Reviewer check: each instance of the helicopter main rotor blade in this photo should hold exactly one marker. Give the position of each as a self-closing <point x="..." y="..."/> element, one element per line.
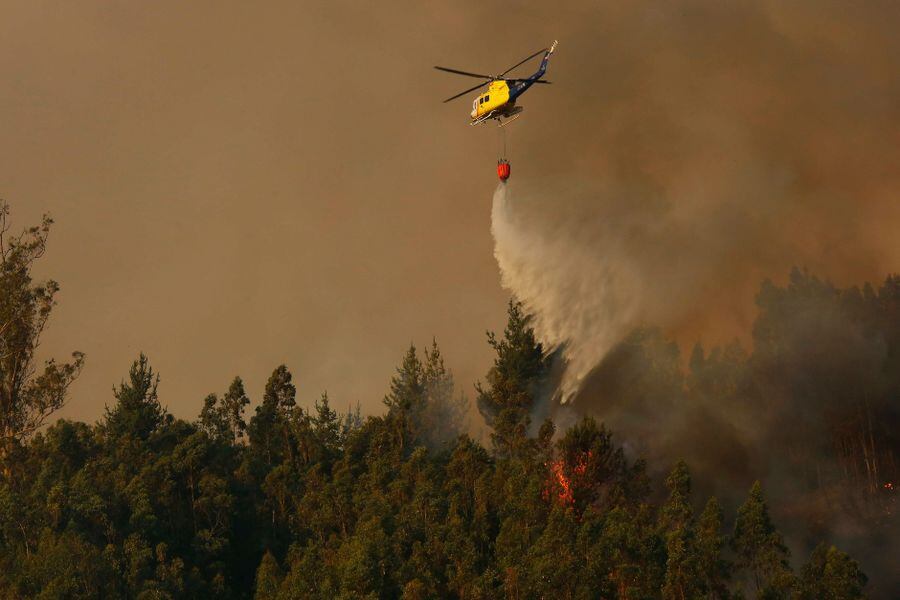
<point x="535" y="81"/>
<point x="471" y="89"/>
<point x="466" y="73"/>
<point x="523" y="61"/>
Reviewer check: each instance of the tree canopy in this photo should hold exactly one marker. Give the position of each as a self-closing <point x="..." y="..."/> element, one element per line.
<point x="293" y="499"/>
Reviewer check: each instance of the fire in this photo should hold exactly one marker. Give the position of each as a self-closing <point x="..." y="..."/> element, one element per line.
<point x="565" y="485"/>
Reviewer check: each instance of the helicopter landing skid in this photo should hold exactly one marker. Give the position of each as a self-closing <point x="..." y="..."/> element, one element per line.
<point x="484" y="118"/>
<point x="510" y="120"/>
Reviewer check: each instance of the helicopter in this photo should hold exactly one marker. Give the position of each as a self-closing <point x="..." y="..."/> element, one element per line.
<point x="499" y="101"/>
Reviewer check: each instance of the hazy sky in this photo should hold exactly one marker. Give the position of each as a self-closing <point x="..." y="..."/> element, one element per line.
<point x="239" y="185"/>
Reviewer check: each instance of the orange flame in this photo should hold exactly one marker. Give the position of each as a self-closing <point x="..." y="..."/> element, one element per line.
<point x="565" y="486"/>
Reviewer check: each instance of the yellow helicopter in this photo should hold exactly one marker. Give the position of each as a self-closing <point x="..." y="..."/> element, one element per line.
<point x="499" y="101"/>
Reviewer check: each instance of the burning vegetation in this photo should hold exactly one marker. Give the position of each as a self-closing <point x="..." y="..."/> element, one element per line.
<point x="563" y="479"/>
<point x="811" y="408"/>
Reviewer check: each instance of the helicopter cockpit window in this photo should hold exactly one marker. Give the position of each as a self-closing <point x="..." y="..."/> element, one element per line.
<point x="487" y="98"/>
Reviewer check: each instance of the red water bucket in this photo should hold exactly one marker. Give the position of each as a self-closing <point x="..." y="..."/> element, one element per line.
<point x="503" y="169"/>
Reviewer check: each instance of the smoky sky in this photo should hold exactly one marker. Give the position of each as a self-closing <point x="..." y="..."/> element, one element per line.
<point x="735" y="143"/>
<point x="239" y="186"/>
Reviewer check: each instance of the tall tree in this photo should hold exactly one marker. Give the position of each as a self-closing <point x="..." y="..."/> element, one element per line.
<point x="408" y="385"/>
<point x="513" y="383"/>
<point x="137" y="411"/>
<point x="28" y="396"/>
<point x="830" y="575"/>
<point x="224" y="419"/>
<point x="677" y="520"/>
<point x="760" y="548"/>
<point x="443" y="416"/>
<point x="714" y="571"/>
<point x="677" y="511"/>
<point x="594" y="470"/>
<point x="234" y="402"/>
<point x="327" y="425"/>
<point x="268" y="428"/>
<point x="406" y="401"/>
<point x="268" y="578"/>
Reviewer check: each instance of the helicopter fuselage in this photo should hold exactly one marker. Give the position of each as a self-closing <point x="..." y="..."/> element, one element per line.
<point x="500" y="98"/>
<point x="499" y="101"/>
<point x="497" y="96"/>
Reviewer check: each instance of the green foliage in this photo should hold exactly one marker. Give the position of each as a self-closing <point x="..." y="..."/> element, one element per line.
<point x="224" y="419"/>
<point x="268" y="578"/>
<point x="408" y="385"/>
<point x="28" y="396"/>
<point x="520" y="371"/>
<point x="713" y="569"/>
<point x="269" y="426"/>
<point x="445" y="415"/>
<point x="830" y="575"/>
<point x="309" y="509"/>
<point x="421" y="405"/>
<point x="137" y="412"/>
<point x="682" y="574"/>
<point x="309" y="503"/>
<point x="760" y="548"/>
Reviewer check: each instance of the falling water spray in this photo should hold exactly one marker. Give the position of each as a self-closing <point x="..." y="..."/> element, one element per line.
<point x="578" y="299"/>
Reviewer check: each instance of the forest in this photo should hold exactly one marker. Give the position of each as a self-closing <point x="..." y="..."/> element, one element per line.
<point x="271" y="499"/>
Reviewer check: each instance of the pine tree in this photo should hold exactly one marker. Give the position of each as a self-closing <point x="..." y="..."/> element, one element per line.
<point x="760" y="548"/>
<point x="712" y="569"/>
<point x="681" y="580"/>
<point x="268" y="428"/>
<point x="520" y="370"/>
<point x="552" y="565"/>
<point x="830" y="575"/>
<point x="137" y="412"/>
<point x="351" y="421"/>
<point x="406" y="402"/>
<point x="407" y="386"/>
<point x="268" y="578"/>
<point x="443" y="416"/>
<point x="677" y="511"/>
<point x="597" y="471"/>
<point x="327" y="424"/>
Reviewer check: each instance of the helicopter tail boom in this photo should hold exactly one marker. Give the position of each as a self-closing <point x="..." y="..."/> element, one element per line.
<point x="520" y="85"/>
<point x="544" y="62"/>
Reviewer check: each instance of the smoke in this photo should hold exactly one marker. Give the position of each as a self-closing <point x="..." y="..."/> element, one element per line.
<point x="819" y="376"/>
<point x="578" y="293"/>
<point x="709" y="147"/>
<point x="594" y="261"/>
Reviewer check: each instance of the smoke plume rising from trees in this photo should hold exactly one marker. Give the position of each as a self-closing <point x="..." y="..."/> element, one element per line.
<point x="712" y="147"/>
<point x="717" y="147"/>
<point x="809" y="406"/>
